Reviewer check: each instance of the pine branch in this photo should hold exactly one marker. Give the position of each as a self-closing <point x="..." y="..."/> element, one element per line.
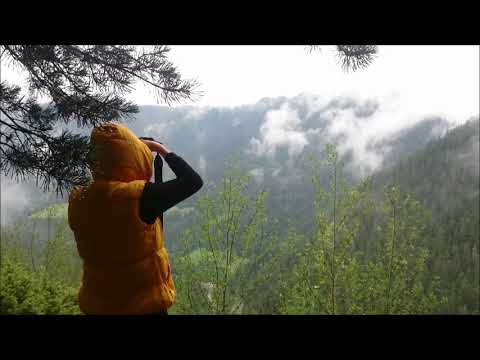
<point x="352" y="57"/>
<point x="85" y="84"/>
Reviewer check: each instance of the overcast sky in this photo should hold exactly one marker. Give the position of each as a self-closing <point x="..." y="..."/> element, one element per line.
<point x="409" y="82"/>
<point x="423" y="79"/>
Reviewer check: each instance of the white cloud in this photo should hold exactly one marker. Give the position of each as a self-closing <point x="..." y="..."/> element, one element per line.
<point x="357" y="132"/>
<point x="353" y="123"/>
<point x="281" y="127"/>
<point x="202" y="165"/>
<point x="258" y="174"/>
<point x="470" y="155"/>
<point x="196" y="113"/>
<point x="157" y="130"/>
<point x="236" y="122"/>
<point x="14" y="200"/>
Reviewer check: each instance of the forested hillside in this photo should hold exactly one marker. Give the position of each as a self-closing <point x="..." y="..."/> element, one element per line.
<point x="402" y="238"/>
<point x="444" y="177"/>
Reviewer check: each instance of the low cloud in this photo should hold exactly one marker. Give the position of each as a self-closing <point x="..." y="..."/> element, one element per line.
<point x="281" y="127"/>
<point x="308" y="122"/>
<point x="367" y="109"/>
<point x="277" y="135"/>
<point x="14" y="200"/>
<point x="258" y="174"/>
<point x="19" y="198"/>
<point x="469" y="156"/>
<point x="156" y="130"/>
<point x="202" y="165"/>
<point x="353" y="134"/>
<point x="196" y="113"/>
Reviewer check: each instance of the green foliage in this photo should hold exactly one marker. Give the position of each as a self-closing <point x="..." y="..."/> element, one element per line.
<point x="57" y="211"/>
<point x="324" y="275"/>
<point x="396" y="251"/>
<point x="23" y="291"/>
<point x="402" y="258"/>
<point x="319" y="273"/>
<point x="444" y="178"/>
<point x="218" y="271"/>
<point x="331" y="277"/>
<point x="38" y="277"/>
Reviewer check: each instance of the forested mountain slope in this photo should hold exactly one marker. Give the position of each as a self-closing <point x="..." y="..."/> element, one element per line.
<point x="444" y="177"/>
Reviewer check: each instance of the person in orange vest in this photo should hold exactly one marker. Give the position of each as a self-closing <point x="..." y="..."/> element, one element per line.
<point x="117" y="226"/>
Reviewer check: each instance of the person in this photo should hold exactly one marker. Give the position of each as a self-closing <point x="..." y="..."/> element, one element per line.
<point x="116" y="224"/>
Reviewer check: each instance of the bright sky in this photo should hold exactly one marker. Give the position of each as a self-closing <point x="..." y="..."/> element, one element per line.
<point x="409" y="82"/>
<point x="422" y="80"/>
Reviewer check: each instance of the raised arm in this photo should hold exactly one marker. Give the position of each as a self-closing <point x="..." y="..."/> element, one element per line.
<point x="157" y="198"/>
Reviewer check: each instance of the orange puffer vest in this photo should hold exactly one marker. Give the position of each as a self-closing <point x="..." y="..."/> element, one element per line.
<point x="126" y="269"/>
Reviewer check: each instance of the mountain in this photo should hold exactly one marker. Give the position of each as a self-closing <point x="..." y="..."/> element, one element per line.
<point x="444" y="177"/>
<point x="271" y="140"/>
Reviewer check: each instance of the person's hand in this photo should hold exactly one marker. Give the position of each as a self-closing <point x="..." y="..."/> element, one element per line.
<point x="156" y="147"/>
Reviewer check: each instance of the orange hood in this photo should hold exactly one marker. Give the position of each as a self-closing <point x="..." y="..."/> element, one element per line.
<point x="118" y="155"/>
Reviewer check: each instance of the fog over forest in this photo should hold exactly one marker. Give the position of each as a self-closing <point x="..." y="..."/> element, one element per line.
<point x="272" y="138"/>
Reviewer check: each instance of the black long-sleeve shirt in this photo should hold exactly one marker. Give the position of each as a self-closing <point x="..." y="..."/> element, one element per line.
<point x="159" y="197"/>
